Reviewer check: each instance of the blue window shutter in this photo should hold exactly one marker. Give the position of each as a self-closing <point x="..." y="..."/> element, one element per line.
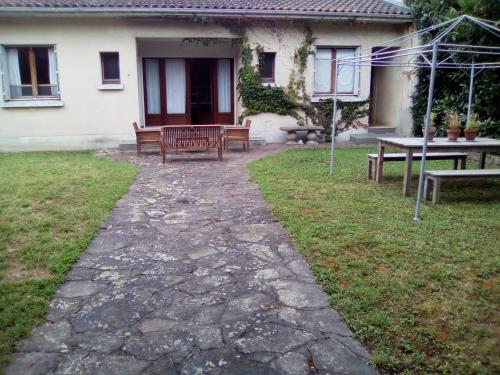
<point x="4" y="73"/>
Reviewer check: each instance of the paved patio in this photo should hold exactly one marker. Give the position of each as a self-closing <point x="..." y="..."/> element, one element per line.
<point x="191" y="275"/>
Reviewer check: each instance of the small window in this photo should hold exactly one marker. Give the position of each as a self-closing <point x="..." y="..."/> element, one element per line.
<point x="266" y="66"/>
<point x="30" y="73"/>
<point x="110" y="67"/>
<point x="326" y="75"/>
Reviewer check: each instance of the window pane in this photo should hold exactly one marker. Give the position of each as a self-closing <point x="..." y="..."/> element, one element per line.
<point x="26" y="91"/>
<point x="224" y="85"/>
<point x="175" y="72"/>
<point x="42" y="67"/>
<point x="110" y="66"/>
<point x="24" y="65"/>
<point x="323" y="76"/>
<point x="346" y="71"/>
<point x="153" y="86"/>
<point x="267" y="65"/>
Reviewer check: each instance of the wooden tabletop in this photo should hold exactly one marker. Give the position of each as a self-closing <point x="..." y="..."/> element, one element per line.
<point x="414" y="142"/>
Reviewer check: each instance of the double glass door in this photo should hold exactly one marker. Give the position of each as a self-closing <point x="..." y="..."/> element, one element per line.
<point x="188" y="91"/>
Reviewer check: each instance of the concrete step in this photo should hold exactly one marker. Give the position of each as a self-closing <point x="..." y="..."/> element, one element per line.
<point x="381" y="129"/>
<point x="370" y="138"/>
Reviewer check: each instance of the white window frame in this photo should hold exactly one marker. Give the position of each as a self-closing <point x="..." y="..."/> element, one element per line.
<point x="7" y="101"/>
<point x="357" y="73"/>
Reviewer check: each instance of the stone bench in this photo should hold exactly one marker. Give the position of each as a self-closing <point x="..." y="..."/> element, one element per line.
<point x="433" y="179"/>
<point x="455" y="156"/>
<point x="313" y="134"/>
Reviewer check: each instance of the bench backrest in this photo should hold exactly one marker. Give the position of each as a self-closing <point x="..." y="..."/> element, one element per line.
<point x="248" y="122"/>
<point x="191" y="136"/>
<point x="146" y="136"/>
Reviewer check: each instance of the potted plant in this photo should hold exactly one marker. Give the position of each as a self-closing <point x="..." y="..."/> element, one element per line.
<point x="471" y="128"/>
<point x="453" y="122"/>
<point x="432" y="127"/>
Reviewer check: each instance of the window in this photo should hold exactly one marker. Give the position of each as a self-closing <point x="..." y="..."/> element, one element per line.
<point x="325" y="74"/>
<point x="29" y="72"/>
<point x="110" y="67"/>
<point x="266" y="66"/>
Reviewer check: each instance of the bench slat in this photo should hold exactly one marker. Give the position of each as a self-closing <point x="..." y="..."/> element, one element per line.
<point x="418" y="156"/>
<point x="465" y="173"/>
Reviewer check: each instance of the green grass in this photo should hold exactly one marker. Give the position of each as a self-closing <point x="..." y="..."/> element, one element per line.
<point x="51" y="205"/>
<point x="424" y="297"/>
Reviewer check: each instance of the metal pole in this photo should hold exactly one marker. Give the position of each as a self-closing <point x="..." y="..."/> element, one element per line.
<point x="426" y="132"/>
<point x="334" y="121"/>
<point x="471" y="89"/>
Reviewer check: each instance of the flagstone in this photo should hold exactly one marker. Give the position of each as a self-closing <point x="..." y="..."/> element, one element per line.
<point x="191" y="275"/>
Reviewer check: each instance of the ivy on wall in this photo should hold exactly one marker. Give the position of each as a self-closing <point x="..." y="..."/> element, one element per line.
<point x="255" y="97"/>
<point x="293" y="100"/>
<point x="321" y="114"/>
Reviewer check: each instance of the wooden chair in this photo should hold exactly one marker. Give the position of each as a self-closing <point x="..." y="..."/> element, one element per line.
<point x="238" y="134"/>
<point x="146" y="137"/>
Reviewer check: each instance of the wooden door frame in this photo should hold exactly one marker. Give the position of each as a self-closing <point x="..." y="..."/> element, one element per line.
<point x="185" y="119"/>
<point x="224" y="118"/>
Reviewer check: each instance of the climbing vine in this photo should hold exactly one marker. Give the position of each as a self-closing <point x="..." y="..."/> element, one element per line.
<point x="321" y="114"/>
<point x="297" y="81"/>
<point x="256" y="97"/>
<point x="293" y="100"/>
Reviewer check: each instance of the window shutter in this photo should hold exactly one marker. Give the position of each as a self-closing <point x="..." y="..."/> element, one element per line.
<point x="4" y="74"/>
<point x="357" y="72"/>
<point x="57" y="73"/>
<point x="314" y="71"/>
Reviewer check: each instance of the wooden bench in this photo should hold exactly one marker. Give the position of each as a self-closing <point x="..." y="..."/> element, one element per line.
<point x="433" y="179"/>
<point x="191" y="137"/>
<point x="455" y="156"/>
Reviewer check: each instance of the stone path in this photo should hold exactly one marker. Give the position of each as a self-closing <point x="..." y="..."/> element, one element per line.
<point x="191" y="275"/>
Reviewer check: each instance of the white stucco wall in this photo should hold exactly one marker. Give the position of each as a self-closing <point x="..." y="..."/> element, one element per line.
<point x="92" y="118"/>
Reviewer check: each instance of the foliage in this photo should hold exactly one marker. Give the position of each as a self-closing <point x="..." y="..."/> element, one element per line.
<point x="423" y="297"/>
<point x="205" y="42"/>
<point x="433" y="118"/>
<point x="473" y="122"/>
<point x="351" y="113"/>
<point x="297" y="81"/>
<point x="52" y="205"/>
<point x="453" y="120"/>
<point x="293" y="101"/>
<point x="255" y="97"/>
<point x="452" y="86"/>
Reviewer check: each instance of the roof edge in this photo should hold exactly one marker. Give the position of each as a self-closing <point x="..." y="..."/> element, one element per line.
<point x="313" y="15"/>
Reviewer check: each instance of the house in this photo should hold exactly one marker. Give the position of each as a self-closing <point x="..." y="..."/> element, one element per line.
<point x="77" y="73"/>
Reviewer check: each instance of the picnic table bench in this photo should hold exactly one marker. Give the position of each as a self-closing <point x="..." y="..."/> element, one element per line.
<point x="412" y="145"/>
<point x="433" y="179"/>
<point x="399" y="156"/>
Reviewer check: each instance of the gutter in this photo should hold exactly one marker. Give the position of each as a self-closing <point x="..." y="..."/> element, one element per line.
<point x="162" y="12"/>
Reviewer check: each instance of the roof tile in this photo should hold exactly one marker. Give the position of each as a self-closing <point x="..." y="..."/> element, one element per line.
<point x="329" y="7"/>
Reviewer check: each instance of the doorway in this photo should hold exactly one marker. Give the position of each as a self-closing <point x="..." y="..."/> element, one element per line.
<point x="201" y="88"/>
<point x="383" y="92"/>
<point x="193" y="91"/>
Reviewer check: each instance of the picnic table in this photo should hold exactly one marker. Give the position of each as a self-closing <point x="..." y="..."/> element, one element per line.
<point x="413" y="145"/>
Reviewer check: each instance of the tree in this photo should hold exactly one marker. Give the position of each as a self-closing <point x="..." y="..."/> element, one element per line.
<point x="452" y="86"/>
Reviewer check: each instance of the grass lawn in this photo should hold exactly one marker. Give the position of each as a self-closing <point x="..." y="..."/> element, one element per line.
<point x="424" y="297"/>
<point x="51" y="205"/>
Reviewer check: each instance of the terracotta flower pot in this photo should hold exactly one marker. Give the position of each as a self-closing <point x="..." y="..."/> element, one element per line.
<point x="453" y="134"/>
<point x="470" y="134"/>
<point x="430" y="135"/>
